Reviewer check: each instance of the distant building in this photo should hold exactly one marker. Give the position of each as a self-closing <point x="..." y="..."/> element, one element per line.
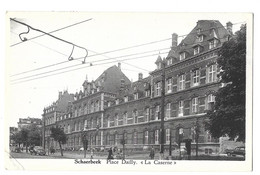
<point x="52" y="113"/>
<point x="25" y="122"/>
<point x="111" y="108"/>
<point x="12" y="131"/>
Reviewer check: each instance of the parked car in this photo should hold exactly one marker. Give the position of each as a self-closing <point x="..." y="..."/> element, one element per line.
<point x="237" y="151"/>
<point x="37" y="150"/>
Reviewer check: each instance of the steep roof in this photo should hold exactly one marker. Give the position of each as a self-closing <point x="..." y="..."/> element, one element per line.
<point x="110" y="79"/>
<point x="205" y="27"/>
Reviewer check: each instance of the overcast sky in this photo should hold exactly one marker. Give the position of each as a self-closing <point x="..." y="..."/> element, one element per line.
<point x="105" y="32"/>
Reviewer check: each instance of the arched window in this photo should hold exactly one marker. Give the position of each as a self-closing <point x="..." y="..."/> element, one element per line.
<point x="135" y="139"/>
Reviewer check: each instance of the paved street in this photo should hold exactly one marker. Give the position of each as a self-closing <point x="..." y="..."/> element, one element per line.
<point x="103" y="155"/>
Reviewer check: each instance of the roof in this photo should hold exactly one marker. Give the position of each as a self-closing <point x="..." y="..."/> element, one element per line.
<point x="205" y="27"/>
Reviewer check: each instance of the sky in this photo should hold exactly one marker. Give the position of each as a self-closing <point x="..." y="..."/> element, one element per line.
<point x="28" y="93"/>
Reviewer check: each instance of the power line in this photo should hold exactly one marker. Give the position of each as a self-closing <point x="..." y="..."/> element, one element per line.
<point x="107" y="59"/>
<point x="53" y="31"/>
<point x="38" y="30"/>
<point x="115" y="51"/>
<point x="83" y="68"/>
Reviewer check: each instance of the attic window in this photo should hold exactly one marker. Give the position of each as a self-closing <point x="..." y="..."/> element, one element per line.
<point x="200" y="38"/>
<point x="108" y="104"/>
<point x="135" y="96"/>
<point x="198" y="30"/>
<point x="126" y="99"/>
<point x="182" y="55"/>
<point x="135" y="88"/>
<point x="213" y="43"/>
<point x="169" y="61"/>
<point x="117" y="101"/>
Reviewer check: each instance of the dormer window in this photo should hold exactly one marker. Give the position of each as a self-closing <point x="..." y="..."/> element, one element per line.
<point x="98" y="89"/>
<point x="169" y="61"/>
<point x="200" y="38"/>
<point x="126" y="99"/>
<point x="134" y="88"/>
<point x="135" y="96"/>
<point x="108" y="104"/>
<point x="198" y="30"/>
<point x="147" y="93"/>
<point x="197" y="49"/>
<point x="159" y="65"/>
<point x="117" y="101"/>
<point x="213" y="43"/>
<point x="182" y="55"/>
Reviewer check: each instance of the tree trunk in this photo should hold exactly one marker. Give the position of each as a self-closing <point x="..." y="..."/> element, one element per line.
<point x="61" y="151"/>
<point x="197" y="148"/>
<point x="26" y="144"/>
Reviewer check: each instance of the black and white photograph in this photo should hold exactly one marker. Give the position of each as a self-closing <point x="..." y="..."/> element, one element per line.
<point x="121" y="90"/>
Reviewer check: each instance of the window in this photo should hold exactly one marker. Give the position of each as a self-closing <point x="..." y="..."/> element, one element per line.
<point x="108" y="121"/>
<point x="135" y="137"/>
<point x="196" y="78"/>
<point x="157" y="112"/>
<point x="181" y="82"/>
<point x="147" y="114"/>
<point x="146" y="137"/>
<point x="117" y="101"/>
<point x="135" y="96"/>
<point x="156" y="136"/>
<point x="180" y="112"/>
<point x="92" y="107"/>
<point x="116" y="120"/>
<point x="195" y="105"/>
<point x="135" y="116"/>
<point x="116" y="139"/>
<point x="158" y="89"/>
<point x="208" y="137"/>
<point x="198" y="30"/>
<point x="182" y="55"/>
<point x="213" y="43"/>
<point x="85" y="124"/>
<point x="108" y="104"/>
<point x="159" y="65"/>
<point x="212" y="73"/>
<point x="193" y="134"/>
<point x="196" y="50"/>
<point x="169" y="85"/>
<point x="168" y="110"/>
<point x="210" y="101"/>
<point x="147" y="93"/>
<point x="85" y="109"/>
<point x="169" y="61"/>
<point x="168" y="136"/>
<point x="200" y="38"/>
<point x="125" y="118"/>
<point x="76" y="112"/>
<point x="97" y="106"/>
<point x="126" y="99"/>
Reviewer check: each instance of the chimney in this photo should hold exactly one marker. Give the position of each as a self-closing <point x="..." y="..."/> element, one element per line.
<point x="60" y="94"/>
<point x="174" y="40"/>
<point x="119" y="66"/>
<point x="86" y="77"/>
<point x="140" y="76"/>
<point x="229" y="27"/>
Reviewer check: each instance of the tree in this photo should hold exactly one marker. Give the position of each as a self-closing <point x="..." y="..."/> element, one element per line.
<point x="58" y="135"/>
<point x="34" y="136"/>
<point x="227" y="117"/>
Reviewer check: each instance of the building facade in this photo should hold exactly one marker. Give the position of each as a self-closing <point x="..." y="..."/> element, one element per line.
<point x="26" y="122"/>
<point x="112" y="110"/>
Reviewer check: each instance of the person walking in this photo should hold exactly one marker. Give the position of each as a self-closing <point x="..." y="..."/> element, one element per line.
<point x="152" y="152"/>
<point x="110" y="154"/>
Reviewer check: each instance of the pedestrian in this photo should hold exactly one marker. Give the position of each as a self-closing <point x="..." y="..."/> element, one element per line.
<point x="110" y="154"/>
<point x="152" y="153"/>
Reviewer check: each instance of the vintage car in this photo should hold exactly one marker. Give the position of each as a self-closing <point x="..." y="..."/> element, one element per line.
<point x="237" y="151"/>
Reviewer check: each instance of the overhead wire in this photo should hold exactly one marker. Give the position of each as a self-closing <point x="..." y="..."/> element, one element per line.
<point x="84" y="67"/>
<point x="53" y="31"/>
<point x="57" y="38"/>
<point x="112" y="51"/>
<point x="115" y="58"/>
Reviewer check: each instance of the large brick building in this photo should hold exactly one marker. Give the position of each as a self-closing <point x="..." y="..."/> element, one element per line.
<point x="111" y="108"/>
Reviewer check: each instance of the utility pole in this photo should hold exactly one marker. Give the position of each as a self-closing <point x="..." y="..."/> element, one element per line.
<point x="162" y="108"/>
